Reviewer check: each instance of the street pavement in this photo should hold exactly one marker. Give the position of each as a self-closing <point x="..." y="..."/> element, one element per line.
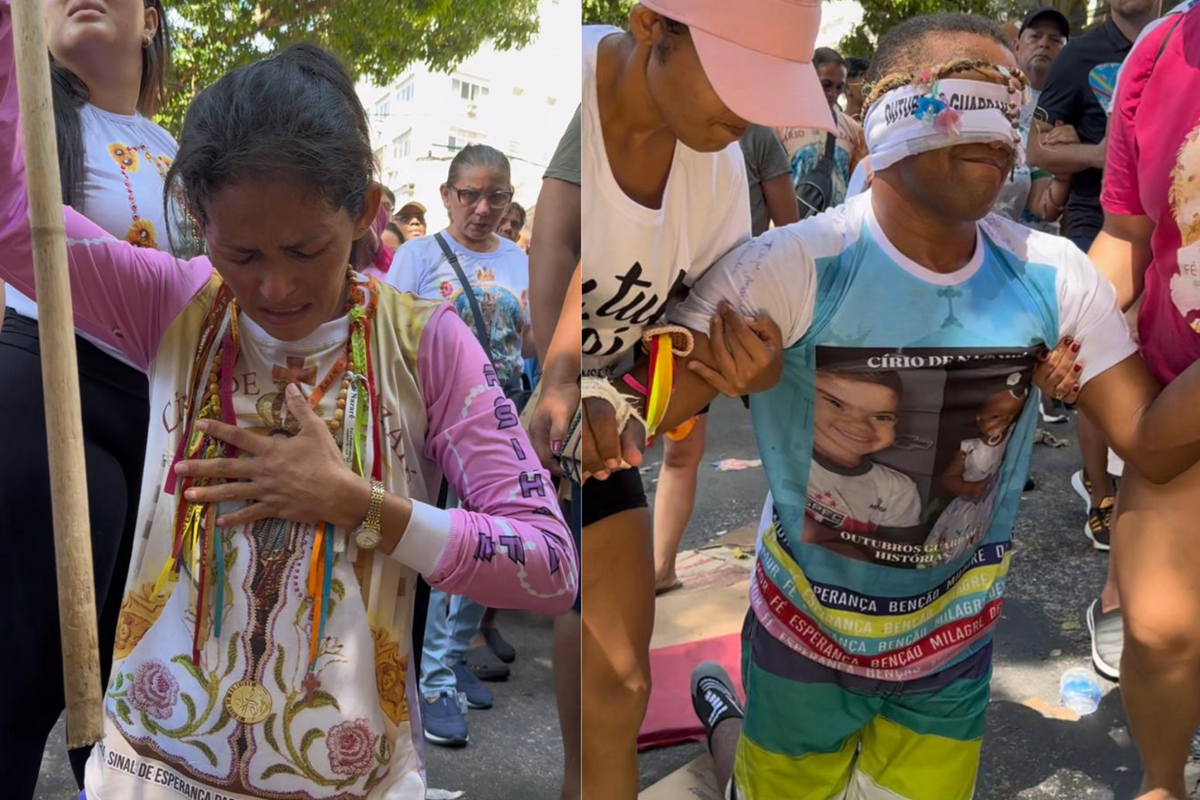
<point x="515" y="751"/>
<point x="1055" y="574"/>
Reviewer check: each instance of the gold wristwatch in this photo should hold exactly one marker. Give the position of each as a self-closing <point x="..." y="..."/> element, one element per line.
<point x="368" y="535"/>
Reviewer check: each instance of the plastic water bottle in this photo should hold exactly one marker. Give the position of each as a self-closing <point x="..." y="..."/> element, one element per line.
<point x="1080" y="690"/>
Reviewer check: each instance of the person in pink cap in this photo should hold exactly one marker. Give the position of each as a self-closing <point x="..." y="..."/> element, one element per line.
<point x="897" y="439"/>
<point x="664" y="104"/>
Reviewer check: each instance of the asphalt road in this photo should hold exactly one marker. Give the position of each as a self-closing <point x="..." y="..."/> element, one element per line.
<point x="1054" y="577"/>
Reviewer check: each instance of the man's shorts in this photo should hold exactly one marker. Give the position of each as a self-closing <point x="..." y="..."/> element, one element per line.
<point x="815" y="733"/>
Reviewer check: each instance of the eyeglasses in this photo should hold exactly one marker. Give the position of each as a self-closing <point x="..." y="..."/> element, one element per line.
<point x="470" y="197"/>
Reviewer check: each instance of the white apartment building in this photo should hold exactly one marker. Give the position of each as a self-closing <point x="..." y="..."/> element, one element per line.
<point x="518" y="102"/>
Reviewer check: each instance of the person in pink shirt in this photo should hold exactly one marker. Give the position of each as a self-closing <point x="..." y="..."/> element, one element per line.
<point x="1150" y="247"/>
<point x="303" y="418"/>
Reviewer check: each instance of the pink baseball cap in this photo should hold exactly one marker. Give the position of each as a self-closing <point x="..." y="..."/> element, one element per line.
<point x="757" y="54"/>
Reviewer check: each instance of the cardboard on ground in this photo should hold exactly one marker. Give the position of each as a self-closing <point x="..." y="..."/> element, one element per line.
<point x="695" y="780"/>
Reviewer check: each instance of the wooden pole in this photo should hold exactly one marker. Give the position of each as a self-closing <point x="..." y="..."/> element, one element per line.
<point x="60" y="381"/>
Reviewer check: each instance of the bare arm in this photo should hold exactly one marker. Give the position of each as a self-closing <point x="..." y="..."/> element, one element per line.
<point x="954" y="483"/>
<point x="559" y="387"/>
<point x="553" y="254"/>
<point x="528" y="344"/>
<point x="1161" y="439"/>
<point x="1048" y="197"/>
<point x="773" y="280"/>
<point x="781" y="200"/>
<point x="736" y="357"/>
<point x="1065" y="159"/>
<point x="1122" y="254"/>
<point x="1172" y="423"/>
<point x="564" y="358"/>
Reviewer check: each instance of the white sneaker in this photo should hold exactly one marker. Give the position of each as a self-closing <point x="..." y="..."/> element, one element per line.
<point x="1108" y="639"/>
<point x="1053" y="411"/>
<point x="1083" y="488"/>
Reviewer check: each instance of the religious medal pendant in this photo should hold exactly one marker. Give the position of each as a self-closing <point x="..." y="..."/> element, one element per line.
<point x="248" y="702"/>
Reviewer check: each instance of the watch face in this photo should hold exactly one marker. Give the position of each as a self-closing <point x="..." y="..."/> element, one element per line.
<point x="366" y="539"/>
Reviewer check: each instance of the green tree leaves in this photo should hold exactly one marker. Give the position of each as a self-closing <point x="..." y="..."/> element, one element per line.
<point x="881" y="15"/>
<point x="606" y="12"/>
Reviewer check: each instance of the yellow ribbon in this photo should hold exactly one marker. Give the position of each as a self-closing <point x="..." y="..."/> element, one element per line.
<point x="190" y="523"/>
<point x="662" y="374"/>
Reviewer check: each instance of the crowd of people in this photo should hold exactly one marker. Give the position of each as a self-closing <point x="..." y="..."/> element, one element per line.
<point x="327" y="447"/>
<point x="976" y="231"/>
<point x="309" y="480"/>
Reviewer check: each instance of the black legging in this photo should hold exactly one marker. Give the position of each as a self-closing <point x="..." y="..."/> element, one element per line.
<point x="115" y="404"/>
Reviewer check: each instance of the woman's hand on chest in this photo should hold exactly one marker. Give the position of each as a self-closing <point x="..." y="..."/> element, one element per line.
<point x="301" y="479"/>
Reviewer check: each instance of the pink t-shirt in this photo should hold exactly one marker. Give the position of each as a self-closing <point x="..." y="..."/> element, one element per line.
<point x="1153" y="170"/>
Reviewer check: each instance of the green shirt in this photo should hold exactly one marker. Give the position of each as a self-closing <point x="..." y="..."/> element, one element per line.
<point x="566" y="163"/>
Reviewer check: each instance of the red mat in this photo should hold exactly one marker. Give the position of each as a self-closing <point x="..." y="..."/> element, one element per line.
<point x="670" y="718"/>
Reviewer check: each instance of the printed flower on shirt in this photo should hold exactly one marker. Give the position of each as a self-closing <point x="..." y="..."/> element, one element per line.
<point x="1184" y="196"/>
<point x="391" y="672"/>
<point x="446" y="288"/>
<point x="161" y="163"/>
<point x="154" y="689"/>
<point x="141" y="234"/>
<point x="1185" y="188"/>
<point x="139" y="610"/>
<point x="124" y="156"/>
<point x="351" y="747"/>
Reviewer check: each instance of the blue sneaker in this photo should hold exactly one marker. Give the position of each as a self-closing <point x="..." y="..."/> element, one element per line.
<point x="477" y="694"/>
<point x="444" y="723"/>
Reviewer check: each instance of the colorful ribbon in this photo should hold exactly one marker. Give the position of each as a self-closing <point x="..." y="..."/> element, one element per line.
<point x="659" y="381"/>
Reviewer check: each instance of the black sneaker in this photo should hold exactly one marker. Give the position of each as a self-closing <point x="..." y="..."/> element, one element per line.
<point x="713" y="697"/>
<point x="1108" y="638"/>
<point x="1099" y="523"/>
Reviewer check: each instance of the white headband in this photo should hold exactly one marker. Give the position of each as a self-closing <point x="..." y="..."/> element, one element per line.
<point x="917" y="118"/>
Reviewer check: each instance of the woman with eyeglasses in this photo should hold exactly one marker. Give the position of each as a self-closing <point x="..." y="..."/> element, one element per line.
<point x="109" y="60"/>
<point x="468" y="253"/>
